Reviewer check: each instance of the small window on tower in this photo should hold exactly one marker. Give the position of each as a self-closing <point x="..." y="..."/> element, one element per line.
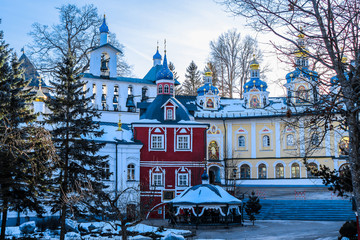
<point x="160" y="89"/>
<point x="166" y="89"/>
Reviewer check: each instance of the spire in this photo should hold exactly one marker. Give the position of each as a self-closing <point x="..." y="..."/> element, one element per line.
<point x="104" y="31"/>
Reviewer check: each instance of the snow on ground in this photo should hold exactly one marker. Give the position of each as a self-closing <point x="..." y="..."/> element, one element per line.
<point x="264" y="230"/>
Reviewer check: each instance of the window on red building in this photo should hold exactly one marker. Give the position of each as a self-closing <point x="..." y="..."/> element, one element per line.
<point x="183" y="180"/>
<point x="157" y="141"/>
<point x="183" y="142"/>
<point x="157" y="179"/>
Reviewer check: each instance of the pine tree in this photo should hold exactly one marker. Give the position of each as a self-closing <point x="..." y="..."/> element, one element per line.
<point x="252" y="207"/>
<point x="74" y="130"/>
<point x="192" y="80"/>
<point x="178" y="88"/>
<point x="26" y="150"/>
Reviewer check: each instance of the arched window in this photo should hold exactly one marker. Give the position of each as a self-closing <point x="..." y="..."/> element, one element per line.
<point x="245" y="171"/>
<point x="131" y="172"/>
<point x="295" y="170"/>
<point x="315" y="139"/>
<point x="171" y="89"/>
<point x="130" y="90"/>
<point x="344" y="146"/>
<point x="279" y="170"/>
<point x="266" y="141"/>
<point x="160" y="89"/>
<point x="166" y="88"/>
<point x="262" y="171"/>
<point x="344" y="169"/>
<point x="241" y="141"/>
<point x="290" y="140"/>
<point x="310" y="167"/>
<point x="213" y="150"/>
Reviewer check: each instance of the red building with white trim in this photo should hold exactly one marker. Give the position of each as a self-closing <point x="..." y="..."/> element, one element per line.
<point x="173" y="152"/>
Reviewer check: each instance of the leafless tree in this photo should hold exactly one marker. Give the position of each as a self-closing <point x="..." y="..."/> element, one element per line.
<point x="231" y="56"/>
<point x="77" y="32"/>
<point x="332" y="31"/>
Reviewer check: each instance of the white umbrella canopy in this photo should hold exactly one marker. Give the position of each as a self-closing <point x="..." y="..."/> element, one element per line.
<point x="205" y="194"/>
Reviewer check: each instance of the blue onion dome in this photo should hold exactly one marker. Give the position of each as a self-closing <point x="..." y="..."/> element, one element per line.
<point x="305" y="72"/>
<point x="165" y="72"/>
<point x="204" y="176"/>
<point x="157" y="55"/>
<point x="255" y="84"/>
<point x="206" y="89"/>
<point x="104" y="28"/>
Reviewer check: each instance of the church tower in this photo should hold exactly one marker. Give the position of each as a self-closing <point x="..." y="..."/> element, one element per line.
<point x="103" y="59"/>
<point x="255" y="94"/>
<point x="208" y="95"/>
<point x="301" y="83"/>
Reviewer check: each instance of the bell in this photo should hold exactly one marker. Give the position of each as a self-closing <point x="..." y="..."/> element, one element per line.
<point x="115" y="99"/>
<point x="130" y="101"/>
<point x="116" y="90"/>
<point x="103" y="98"/>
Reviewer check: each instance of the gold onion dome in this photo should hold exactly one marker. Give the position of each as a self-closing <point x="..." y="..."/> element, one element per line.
<point x="254" y="65"/>
<point x="208" y="74"/>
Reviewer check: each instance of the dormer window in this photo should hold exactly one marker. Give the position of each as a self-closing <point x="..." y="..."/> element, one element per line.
<point x="166" y="89"/>
<point x="169" y="114"/>
<point x="160" y="89"/>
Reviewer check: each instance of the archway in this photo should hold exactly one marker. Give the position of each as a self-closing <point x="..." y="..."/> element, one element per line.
<point x="214" y="175"/>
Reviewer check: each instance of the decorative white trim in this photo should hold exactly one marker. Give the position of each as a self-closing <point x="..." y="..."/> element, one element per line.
<point x="253" y="139"/>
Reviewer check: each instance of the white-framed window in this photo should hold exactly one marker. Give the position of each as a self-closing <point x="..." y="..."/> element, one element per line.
<point x="183" y="180"/>
<point x="160" y="89"/>
<point x="171" y="89"/>
<point x="106" y="171"/>
<point x="157" y="141"/>
<point x="290" y="140"/>
<point x="169" y="114"/>
<point x="241" y="141"/>
<point x="166" y="88"/>
<point x="157" y="179"/>
<point x="183" y="142"/>
<point x="131" y="172"/>
<point x="266" y="141"/>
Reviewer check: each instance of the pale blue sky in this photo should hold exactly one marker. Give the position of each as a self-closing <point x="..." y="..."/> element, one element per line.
<point x="187" y="25"/>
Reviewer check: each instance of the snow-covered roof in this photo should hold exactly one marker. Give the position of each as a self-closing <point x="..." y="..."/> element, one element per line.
<point x="205" y="194"/>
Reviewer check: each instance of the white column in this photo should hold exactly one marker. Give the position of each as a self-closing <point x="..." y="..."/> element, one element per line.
<point x="277" y="140"/>
<point x="229" y="140"/>
<point x="98" y="95"/>
<point x="110" y="96"/>
<point x="302" y="137"/>
<point x="253" y="139"/>
<point x="327" y="144"/>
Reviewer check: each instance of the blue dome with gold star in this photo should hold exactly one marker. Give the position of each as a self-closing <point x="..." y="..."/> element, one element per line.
<point x="304" y="71"/>
<point x="165" y="72"/>
<point x="206" y="89"/>
<point x="104" y="28"/>
<point x="255" y="83"/>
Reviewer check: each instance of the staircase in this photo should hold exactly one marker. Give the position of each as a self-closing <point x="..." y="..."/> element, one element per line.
<point x="312" y="210"/>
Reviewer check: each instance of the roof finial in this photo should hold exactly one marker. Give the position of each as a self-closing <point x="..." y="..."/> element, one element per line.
<point x="165" y="45"/>
<point x="157" y="45"/>
<point x="39" y="77"/>
<point x="23" y="50"/>
<point x="119" y="123"/>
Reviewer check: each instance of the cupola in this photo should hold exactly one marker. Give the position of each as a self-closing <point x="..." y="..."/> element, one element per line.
<point x="165" y="79"/>
<point x="255" y="90"/>
<point x="157" y="57"/>
<point x="208" y="95"/>
<point x="104" y="31"/>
